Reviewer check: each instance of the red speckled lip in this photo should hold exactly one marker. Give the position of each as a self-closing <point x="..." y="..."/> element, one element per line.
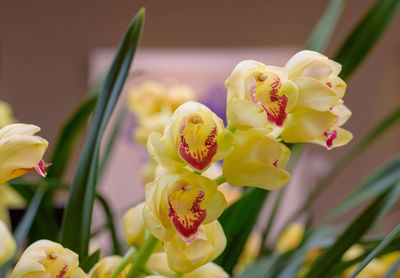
<point x="62" y="272"/>
<point x="188" y="224"/>
<point x="329" y="137"/>
<point x="199" y="159"/>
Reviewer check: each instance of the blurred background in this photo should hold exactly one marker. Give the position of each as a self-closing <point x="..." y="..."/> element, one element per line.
<point x="51" y="52"/>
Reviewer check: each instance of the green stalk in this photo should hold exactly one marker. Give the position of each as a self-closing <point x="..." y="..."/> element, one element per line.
<point x="143" y="255"/>
<point x="220" y="179"/>
<point x="127" y="259"/>
<point x="178" y="275"/>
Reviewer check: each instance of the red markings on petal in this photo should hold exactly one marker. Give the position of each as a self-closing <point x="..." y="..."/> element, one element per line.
<point x="276" y="163"/>
<point x="199" y="157"/>
<point x="329" y="84"/>
<point x="62" y="272"/>
<point x="188" y="223"/>
<point x="329" y="137"/>
<point x="41" y="168"/>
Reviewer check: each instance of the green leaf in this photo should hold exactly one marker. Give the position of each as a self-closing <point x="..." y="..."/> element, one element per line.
<point x="75" y="233"/>
<point x="354" y="232"/>
<point x="110" y="223"/>
<point x="322" y="32"/>
<point x="90" y="261"/>
<point x="238" y="221"/>
<point x="373" y="186"/>
<point x="364" y="36"/>
<point x="385" y="242"/>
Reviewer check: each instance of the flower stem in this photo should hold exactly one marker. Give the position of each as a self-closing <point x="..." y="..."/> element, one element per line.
<point x="143" y="256"/>
<point x="125" y="261"/>
<point x="220" y="179"/>
<point x="231" y="128"/>
<point x="177" y="275"/>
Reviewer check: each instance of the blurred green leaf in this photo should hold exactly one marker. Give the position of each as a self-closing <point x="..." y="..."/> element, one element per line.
<point x="75" y="233"/>
<point x="385" y="242"/>
<point x="90" y="261"/>
<point x="322" y="32"/>
<point x="238" y="221"/>
<point x="364" y="36"/>
<point x="354" y="232"/>
<point x="373" y="186"/>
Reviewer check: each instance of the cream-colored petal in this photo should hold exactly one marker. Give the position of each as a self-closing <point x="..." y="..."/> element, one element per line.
<point x="292" y="92"/>
<point x="153" y="224"/>
<point x="245" y="114"/>
<point x="215" y="207"/>
<point x="158" y="151"/>
<point x="225" y="146"/>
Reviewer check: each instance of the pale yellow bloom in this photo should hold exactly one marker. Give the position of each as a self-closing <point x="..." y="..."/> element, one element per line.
<point x="290" y="238"/>
<point x="146" y="99"/>
<point x="185" y="256"/>
<point x="178" y="202"/>
<point x="20" y="151"/>
<point x="178" y="95"/>
<point x="194" y="137"/>
<point x="259" y="95"/>
<point x="158" y="262"/>
<point x="257" y="160"/>
<point x="7" y="244"/>
<point x="105" y="267"/>
<point x="9" y="199"/>
<point x="133" y="226"/>
<point x="249" y="254"/>
<point x="48" y="259"/>
<point x="6" y="114"/>
<point x="148" y="124"/>
<point x="319" y="111"/>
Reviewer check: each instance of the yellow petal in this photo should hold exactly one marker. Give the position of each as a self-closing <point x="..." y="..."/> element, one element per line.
<point x="245" y="114"/>
<point x="7" y="244"/>
<point x="343" y="137"/>
<point x="160" y="154"/>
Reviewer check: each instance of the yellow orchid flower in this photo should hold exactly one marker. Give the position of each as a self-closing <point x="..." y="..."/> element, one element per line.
<point x="146" y="99"/>
<point x="290" y="238"/>
<point x="6" y="114"/>
<point x="158" y="262"/>
<point x="178" y="95"/>
<point x="21" y="151"/>
<point x="186" y="256"/>
<point x="319" y="111"/>
<point x="7" y="244"/>
<point x="257" y="160"/>
<point x="259" y="95"/>
<point x="149" y="124"/>
<point x="194" y="136"/>
<point x="178" y="202"/>
<point x="48" y="259"/>
<point x="105" y="267"/>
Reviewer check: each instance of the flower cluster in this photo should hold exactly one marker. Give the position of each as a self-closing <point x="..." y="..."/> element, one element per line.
<point x="267" y="107"/>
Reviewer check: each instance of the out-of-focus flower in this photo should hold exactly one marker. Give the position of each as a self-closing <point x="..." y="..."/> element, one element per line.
<point x="319" y="111"/>
<point x="186" y="256"/>
<point x="290" y="238"/>
<point x="178" y="95"/>
<point x="148" y="124"/>
<point x="259" y="95"/>
<point x="194" y="136"/>
<point x="106" y="266"/>
<point x="249" y="254"/>
<point x="310" y="257"/>
<point x="158" y="262"/>
<point x="146" y="99"/>
<point x="178" y="202"/>
<point x="257" y="160"/>
<point x="45" y="258"/>
<point x="375" y="269"/>
<point x="7" y="244"/>
<point x="389" y="260"/>
<point x="21" y="151"/>
<point x="6" y="115"/>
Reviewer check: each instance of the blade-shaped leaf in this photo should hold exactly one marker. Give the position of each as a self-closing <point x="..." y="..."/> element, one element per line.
<point x="238" y="221"/>
<point x="77" y="219"/>
<point x="385" y="242"/>
<point x="91" y="260"/>
<point x="373" y="186"/>
<point x="322" y="32"/>
<point x="354" y="232"/>
<point x="364" y="36"/>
